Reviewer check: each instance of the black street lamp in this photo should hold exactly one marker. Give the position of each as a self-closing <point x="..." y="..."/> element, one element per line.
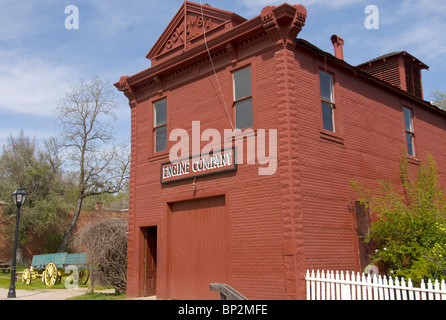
<point x="18" y="198"/>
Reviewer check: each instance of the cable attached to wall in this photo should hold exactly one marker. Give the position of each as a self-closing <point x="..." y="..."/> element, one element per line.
<point x="213" y="68"/>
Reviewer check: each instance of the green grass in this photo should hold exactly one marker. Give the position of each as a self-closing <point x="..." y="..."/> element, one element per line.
<point x="99" y="296"/>
<point x="37" y="284"/>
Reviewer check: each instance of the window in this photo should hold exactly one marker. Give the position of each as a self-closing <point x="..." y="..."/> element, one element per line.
<point x="160" y="125"/>
<point x="243" y="98"/>
<point x="408" y="122"/>
<point x="327" y="101"/>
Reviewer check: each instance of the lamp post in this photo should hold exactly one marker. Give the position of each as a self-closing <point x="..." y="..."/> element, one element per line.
<point x="18" y="198"/>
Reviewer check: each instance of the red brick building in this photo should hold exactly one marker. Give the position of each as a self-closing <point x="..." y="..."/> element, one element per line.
<point x="335" y="123"/>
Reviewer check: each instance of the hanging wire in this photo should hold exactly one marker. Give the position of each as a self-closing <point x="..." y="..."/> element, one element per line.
<point x="213" y="68"/>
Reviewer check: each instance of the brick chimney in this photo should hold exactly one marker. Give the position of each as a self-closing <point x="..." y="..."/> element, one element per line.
<point x="399" y="69"/>
<point x="338" y="44"/>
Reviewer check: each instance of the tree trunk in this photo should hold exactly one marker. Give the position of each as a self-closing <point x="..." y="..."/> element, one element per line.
<point x="92" y="278"/>
<point x="66" y="238"/>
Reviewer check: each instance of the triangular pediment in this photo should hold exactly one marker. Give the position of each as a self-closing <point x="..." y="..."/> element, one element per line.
<point x="186" y="29"/>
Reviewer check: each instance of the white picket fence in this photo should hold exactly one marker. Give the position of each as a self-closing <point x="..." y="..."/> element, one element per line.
<point x="330" y="285"/>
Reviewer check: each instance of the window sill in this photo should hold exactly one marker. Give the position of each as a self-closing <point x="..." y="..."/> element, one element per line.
<point x="159" y="156"/>
<point x="331" y="136"/>
<point x="413" y="160"/>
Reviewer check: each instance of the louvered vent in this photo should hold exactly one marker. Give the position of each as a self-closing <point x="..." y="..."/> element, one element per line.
<point x="413" y="79"/>
<point x="387" y="71"/>
<point x="399" y="69"/>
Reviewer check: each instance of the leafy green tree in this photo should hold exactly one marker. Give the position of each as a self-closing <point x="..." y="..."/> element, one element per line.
<point x="409" y="229"/>
<point x="23" y="164"/>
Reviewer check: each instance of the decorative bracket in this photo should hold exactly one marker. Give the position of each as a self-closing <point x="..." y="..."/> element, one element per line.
<point x="124" y="86"/>
<point x="158" y="82"/>
<point x="270" y="23"/>
<point x="283" y="23"/>
<point x="232" y="51"/>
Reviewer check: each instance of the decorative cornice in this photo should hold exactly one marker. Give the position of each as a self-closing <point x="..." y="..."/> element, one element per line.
<point x="283" y="23"/>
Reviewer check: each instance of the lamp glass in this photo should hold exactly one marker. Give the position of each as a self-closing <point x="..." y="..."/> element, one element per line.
<point x="19" y="196"/>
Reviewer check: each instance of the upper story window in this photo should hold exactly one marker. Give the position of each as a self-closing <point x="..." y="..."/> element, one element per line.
<point x="243" y="98"/>
<point x="160" y="125"/>
<point x="327" y="101"/>
<point x="410" y="136"/>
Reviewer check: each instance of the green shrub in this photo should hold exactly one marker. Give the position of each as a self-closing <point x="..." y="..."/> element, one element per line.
<point x="409" y="227"/>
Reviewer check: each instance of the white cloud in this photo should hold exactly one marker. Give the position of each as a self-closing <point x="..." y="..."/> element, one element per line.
<point x="24" y="17"/>
<point x="32" y="85"/>
<point x="418" y="27"/>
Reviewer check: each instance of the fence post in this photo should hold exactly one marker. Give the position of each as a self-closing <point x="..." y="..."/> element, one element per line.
<point x="323" y="285"/>
<point x="430" y="295"/>
<point x="385" y="288"/>
<point x="345" y="290"/>
<point x="397" y="289"/>
<point x="443" y="290"/>
<point x="423" y="288"/>
<point x="313" y="287"/>
<point x="307" y="277"/>
<point x="358" y="287"/>
<point x="437" y="288"/>
<point x="353" y="287"/>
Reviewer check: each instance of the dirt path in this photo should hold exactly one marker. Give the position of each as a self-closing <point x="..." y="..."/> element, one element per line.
<point x="45" y="294"/>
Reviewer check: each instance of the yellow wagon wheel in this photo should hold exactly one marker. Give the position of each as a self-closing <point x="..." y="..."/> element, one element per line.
<point x="51" y="274"/>
<point x="26" y="276"/>
<point x="83" y="276"/>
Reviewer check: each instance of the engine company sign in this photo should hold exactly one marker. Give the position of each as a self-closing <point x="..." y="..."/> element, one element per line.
<point x="216" y="162"/>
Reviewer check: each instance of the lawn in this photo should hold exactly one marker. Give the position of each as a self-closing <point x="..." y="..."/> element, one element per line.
<point x="100" y="296"/>
<point x="37" y="284"/>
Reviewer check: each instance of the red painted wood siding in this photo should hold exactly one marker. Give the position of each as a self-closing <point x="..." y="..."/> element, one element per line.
<point x="196" y="249"/>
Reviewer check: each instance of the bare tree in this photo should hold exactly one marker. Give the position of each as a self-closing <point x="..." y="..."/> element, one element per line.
<point x="439" y="98"/>
<point x="86" y="116"/>
<point x="105" y="241"/>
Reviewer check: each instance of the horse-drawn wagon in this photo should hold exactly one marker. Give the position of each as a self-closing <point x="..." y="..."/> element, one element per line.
<point x="52" y="267"/>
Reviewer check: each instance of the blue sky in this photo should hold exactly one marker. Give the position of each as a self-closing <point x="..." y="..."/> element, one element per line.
<point x="40" y="59"/>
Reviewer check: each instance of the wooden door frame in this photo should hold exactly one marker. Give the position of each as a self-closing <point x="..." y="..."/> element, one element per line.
<point x="143" y="257"/>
